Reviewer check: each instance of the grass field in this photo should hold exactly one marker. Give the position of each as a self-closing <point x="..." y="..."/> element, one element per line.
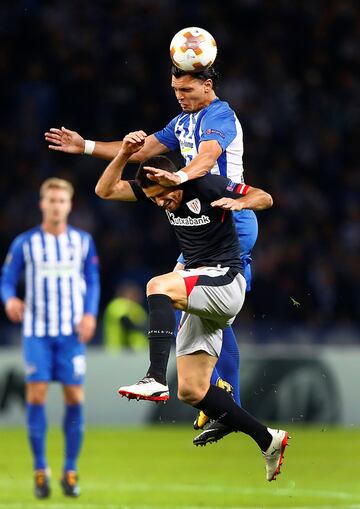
<point x="158" y="467"/>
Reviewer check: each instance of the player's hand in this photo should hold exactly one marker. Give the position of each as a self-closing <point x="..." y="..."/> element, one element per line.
<point x="14" y="309"/>
<point x="133" y="142"/>
<point x="227" y="204"/>
<point x="86" y="328"/>
<point x="162" y="177"/>
<point x="65" y="140"/>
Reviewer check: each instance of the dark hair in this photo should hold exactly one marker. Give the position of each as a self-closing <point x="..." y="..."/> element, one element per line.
<point x="161" y="162"/>
<point x="210" y="73"/>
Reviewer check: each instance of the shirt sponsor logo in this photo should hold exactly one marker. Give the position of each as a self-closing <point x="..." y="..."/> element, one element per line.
<point x="194" y="205"/>
<point x="187" y="221"/>
<point x="215" y="131"/>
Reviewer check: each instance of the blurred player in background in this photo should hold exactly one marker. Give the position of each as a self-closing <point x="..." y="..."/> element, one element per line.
<point x="209" y="137"/>
<point x="210" y="291"/>
<point x="59" y="318"/>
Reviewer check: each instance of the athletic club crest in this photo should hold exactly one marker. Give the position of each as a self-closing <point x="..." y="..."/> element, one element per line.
<point x="194" y="205"/>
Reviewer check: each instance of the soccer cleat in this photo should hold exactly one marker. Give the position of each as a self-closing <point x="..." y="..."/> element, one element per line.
<point x="275" y="453"/>
<point x="202" y="418"/>
<point x="69" y="484"/>
<point x="147" y="388"/>
<point x="212" y="432"/>
<point x="42" y="484"/>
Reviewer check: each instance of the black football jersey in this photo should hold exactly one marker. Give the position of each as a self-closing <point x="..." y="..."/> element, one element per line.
<point x="206" y="234"/>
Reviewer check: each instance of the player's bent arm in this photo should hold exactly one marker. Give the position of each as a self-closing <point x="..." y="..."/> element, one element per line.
<point x="110" y="186"/>
<point x="255" y="199"/>
<point x="209" y="153"/>
<point x="108" y="150"/>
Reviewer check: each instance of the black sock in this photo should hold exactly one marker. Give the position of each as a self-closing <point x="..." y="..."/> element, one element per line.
<point x="218" y="404"/>
<point x="161" y="333"/>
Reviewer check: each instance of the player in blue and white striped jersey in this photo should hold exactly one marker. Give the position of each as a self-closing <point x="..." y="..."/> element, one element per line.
<point x="59" y="317"/>
<point x="209" y="137"/>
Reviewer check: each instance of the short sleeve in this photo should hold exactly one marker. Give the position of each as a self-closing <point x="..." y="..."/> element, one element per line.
<point x="167" y="135"/>
<point x="219" y="124"/>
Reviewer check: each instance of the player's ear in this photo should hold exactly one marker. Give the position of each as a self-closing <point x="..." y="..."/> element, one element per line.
<point x="208" y="84"/>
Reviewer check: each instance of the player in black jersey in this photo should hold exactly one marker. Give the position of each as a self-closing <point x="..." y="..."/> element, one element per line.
<point x="210" y="291"/>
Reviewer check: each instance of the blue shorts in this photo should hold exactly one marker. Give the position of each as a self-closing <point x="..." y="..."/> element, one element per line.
<point x="60" y="358"/>
<point x="247" y="229"/>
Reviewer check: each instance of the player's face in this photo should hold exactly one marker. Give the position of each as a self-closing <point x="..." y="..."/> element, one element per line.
<point x="191" y="93"/>
<point x="55" y="206"/>
<point x="166" y="198"/>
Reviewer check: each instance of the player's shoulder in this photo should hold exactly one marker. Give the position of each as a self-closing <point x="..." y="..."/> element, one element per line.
<point x="26" y="235"/>
<point x="78" y="231"/>
<point x="220" y="107"/>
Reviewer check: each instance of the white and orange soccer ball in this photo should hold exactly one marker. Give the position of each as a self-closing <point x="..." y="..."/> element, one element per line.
<point x="193" y="49"/>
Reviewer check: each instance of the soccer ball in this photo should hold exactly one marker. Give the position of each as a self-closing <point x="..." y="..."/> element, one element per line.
<point x="193" y="49"/>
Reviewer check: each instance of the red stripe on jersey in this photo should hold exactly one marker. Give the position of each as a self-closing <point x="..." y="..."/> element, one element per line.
<point x="242" y="189"/>
<point x="223" y="216"/>
<point x="190" y="282"/>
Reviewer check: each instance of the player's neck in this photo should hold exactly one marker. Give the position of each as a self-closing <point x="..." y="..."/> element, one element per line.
<point x="53" y="228"/>
<point x="207" y="102"/>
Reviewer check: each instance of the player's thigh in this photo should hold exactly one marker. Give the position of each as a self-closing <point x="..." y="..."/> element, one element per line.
<point x="38" y="359"/>
<point x="70" y="362"/>
<point x="194" y="373"/>
<point x="172" y="285"/>
<point x="214" y="293"/>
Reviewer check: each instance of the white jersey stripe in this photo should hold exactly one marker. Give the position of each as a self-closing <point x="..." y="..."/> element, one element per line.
<point x="64" y="254"/>
<point x="39" y="297"/>
<point x="52" y="288"/>
<point x="28" y="314"/>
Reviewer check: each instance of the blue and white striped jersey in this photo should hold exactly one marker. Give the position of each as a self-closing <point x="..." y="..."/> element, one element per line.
<point x="216" y="122"/>
<point x="61" y="279"/>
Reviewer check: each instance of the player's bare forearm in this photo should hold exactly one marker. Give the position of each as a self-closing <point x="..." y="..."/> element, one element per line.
<point x="209" y="152"/>
<point x="110" y="186"/>
<point x="151" y="147"/>
<point x="255" y="199"/>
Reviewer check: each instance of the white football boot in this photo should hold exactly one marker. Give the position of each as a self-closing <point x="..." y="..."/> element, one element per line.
<point x="147" y="388"/>
<point x="275" y="453"/>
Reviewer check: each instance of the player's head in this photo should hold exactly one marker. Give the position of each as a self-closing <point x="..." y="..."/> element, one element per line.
<point x="194" y="90"/>
<point x="168" y="198"/>
<point x="56" y="200"/>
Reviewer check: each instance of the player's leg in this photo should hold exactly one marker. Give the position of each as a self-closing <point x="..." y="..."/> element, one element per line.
<point x="73" y="426"/>
<point x="38" y="365"/>
<point x="70" y="371"/>
<point x="198" y="344"/>
<point x="164" y="293"/>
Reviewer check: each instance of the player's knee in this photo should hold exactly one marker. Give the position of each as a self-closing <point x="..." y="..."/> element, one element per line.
<point x="156" y="285"/>
<point x="36" y="399"/>
<point x="190" y="394"/>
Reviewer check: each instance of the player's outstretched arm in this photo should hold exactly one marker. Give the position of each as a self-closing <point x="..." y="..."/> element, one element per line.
<point x="255" y="199"/>
<point x="71" y="142"/>
<point x="110" y="186"/>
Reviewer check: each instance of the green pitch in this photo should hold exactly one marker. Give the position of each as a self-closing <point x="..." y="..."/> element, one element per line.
<point x="158" y="467"/>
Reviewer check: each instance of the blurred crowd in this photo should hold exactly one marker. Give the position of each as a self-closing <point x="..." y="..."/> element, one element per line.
<point x="289" y="68"/>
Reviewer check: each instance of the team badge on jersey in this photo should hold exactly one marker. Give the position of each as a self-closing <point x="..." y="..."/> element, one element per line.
<point x="194" y="205"/>
<point x="231" y="185"/>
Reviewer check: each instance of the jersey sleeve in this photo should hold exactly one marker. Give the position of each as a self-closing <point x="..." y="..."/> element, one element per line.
<point x="11" y="270"/>
<point x="213" y="187"/>
<point x="219" y="125"/>
<point x="92" y="280"/>
<point x="167" y="135"/>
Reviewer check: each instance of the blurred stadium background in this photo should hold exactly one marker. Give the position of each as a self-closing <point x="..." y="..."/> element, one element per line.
<point x="290" y="69"/>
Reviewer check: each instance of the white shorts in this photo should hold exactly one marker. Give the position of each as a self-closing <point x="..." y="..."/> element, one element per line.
<point x="215" y="296"/>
